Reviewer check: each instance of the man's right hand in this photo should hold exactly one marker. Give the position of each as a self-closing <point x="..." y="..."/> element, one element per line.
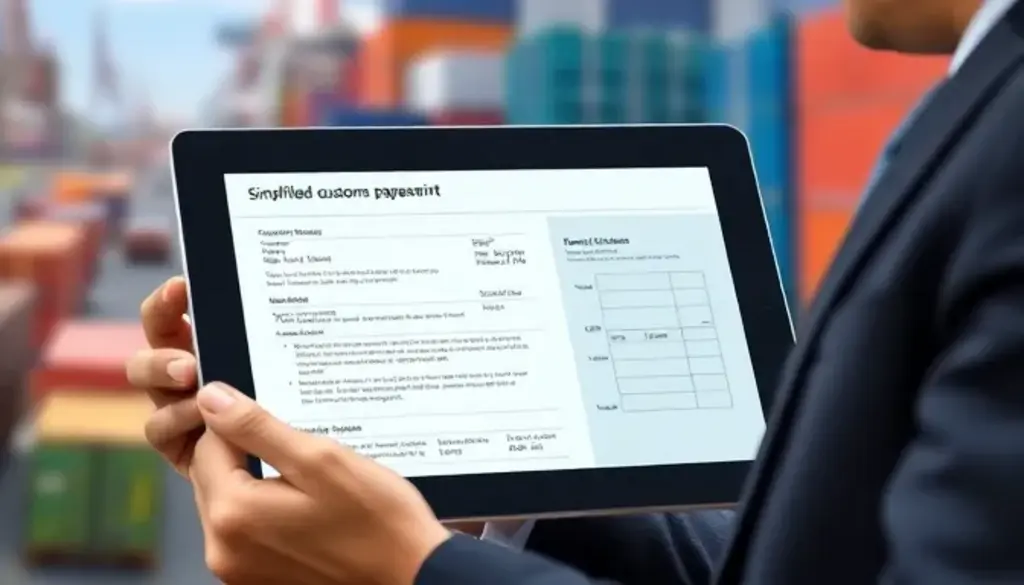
<point x="167" y="372"/>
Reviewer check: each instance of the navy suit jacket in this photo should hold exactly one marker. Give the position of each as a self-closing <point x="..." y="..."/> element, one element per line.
<point x="895" y="454"/>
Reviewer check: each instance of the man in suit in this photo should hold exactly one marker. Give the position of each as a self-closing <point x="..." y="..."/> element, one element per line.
<point x="895" y="454"/>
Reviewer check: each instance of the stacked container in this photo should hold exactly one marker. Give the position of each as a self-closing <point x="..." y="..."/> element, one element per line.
<point x="111" y="190"/>
<point x="849" y="100"/>
<point x="496" y="11"/>
<point x="387" y="53"/>
<point x="49" y="256"/>
<point x="692" y="15"/>
<point x="749" y="86"/>
<point x="96" y="488"/>
<point x="89" y="355"/>
<point x="568" y="76"/>
<point x="535" y="16"/>
<point x="16" y="354"/>
<point x="339" y="115"/>
<point x="148" y="240"/>
<point x="92" y="217"/>
<point x="458" y="87"/>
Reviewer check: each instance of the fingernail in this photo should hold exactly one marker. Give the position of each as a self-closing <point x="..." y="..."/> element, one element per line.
<point x="165" y="293"/>
<point x="216" y="398"/>
<point x="179" y="371"/>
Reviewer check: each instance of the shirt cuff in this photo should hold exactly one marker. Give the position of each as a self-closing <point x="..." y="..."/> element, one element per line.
<point x="511" y="534"/>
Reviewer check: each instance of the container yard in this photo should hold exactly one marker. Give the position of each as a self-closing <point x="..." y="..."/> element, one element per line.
<point x="88" y="229"/>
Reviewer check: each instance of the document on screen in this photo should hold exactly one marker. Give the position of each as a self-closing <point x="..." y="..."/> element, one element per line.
<point x="458" y="322"/>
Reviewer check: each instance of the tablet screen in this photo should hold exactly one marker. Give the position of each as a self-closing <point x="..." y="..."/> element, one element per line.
<point x="460" y="322"/>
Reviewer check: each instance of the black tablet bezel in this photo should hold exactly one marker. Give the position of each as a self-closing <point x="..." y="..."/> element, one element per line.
<point x="202" y="158"/>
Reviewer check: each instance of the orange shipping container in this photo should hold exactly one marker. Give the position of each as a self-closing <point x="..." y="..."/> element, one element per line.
<point x="838" y="148"/>
<point x="72" y="186"/>
<point x="386" y="53"/>
<point x="87" y="354"/>
<point x="93" y="219"/>
<point x="83" y="186"/>
<point x="294" y="109"/>
<point x="50" y="256"/>
<point x="821" y="232"/>
<point x="833" y="69"/>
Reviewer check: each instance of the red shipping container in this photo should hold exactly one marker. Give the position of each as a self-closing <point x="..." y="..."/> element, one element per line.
<point x="31" y="207"/>
<point x="838" y="148"/>
<point x="50" y="256"/>
<point x="832" y="69"/>
<point x="351" y="80"/>
<point x="148" y="242"/>
<point x="93" y="218"/>
<point x="467" y="119"/>
<point x="89" y="355"/>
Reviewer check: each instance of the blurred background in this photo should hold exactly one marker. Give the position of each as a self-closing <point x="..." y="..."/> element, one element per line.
<point x="92" y="90"/>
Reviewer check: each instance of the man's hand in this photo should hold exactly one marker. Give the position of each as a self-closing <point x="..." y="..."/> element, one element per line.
<point x="167" y="371"/>
<point x="332" y="518"/>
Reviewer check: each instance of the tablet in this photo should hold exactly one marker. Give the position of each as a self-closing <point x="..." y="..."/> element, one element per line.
<point x="524" y="321"/>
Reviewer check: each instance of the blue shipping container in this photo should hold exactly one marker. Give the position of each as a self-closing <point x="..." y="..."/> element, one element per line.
<point x="693" y="15"/>
<point x="808" y="7"/>
<point x="502" y="11"/>
<point x="769" y="58"/>
<point x="348" y="117"/>
<point x="749" y="85"/>
<point x="563" y="76"/>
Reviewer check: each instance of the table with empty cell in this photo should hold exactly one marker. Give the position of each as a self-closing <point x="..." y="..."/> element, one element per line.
<point x="663" y="342"/>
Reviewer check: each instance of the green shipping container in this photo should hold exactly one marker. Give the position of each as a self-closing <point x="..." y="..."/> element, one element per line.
<point x="129" y="522"/>
<point x="61" y="485"/>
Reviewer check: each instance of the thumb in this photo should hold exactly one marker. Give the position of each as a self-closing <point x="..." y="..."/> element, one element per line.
<point x="237" y="419"/>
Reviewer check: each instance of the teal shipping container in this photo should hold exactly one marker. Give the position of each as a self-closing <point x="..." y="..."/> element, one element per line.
<point x="566" y="76"/>
<point x="750" y="85"/>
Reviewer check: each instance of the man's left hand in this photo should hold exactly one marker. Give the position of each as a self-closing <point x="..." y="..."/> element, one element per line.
<point x="332" y="518"/>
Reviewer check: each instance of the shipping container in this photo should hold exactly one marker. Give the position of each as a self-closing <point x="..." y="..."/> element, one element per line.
<point x="770" y="133"/>
<point x="467" y="118"/>
<point x="148" y="240"/>
<point x="345" y="116"/>
<point x="836" y="72"/>
<point x="500" y="11"/>
<point x="566" y="76"/>
<point x="48" y="255"/>
<point x="93" y="218"/>
<point x="734" y="20"/>
<point x="116" y="207"/>
<point x="87" y="354"/>
<point x="294" y="109"/>
<point x="387" y="52"/>
<point x="447" y="81"/>
<point x="109" y="189"/>
<point x="60" y="499"/>
<point x="128" y="522"/>
<point x="691" y="15"/>
<point x="839" y="147"/>
<point x="96" y="490"/>
<point x="16" y="355"/>
<point x="30" y="206"/>
<point x="80" y="416"/>
<point x="809" y="8"/>
<point x="72" y="186"/>
<point x="749" y="86"/>
<point x="821" y="233"/>
<point x="540" y="16"/>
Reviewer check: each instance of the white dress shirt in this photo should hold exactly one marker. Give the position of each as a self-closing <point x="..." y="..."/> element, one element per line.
<point x="514" y="534"/>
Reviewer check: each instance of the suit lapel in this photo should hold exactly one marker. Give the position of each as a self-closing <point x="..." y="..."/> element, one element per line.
<point x="926" y="142"/>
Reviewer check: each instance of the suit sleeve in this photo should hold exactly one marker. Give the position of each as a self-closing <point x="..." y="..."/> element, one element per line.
<point x="954" y="509"/>
<point x="658" y="549"/>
